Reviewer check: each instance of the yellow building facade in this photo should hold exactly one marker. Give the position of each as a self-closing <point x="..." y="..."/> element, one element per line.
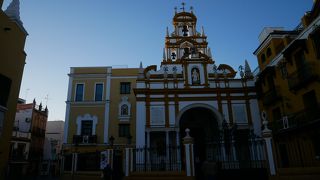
<point x="289" y="92"/>
<point x="12" y="60"/>
<point x="100" y="107"/>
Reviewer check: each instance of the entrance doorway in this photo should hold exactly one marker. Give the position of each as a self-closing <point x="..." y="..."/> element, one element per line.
<point x="204" y="128"/>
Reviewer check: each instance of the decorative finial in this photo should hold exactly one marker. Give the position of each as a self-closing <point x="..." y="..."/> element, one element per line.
<point x="175" y="9"/>
<point x="202" y="33"/>
<point x="247" y="69"/>
<point x="164" y="54"/>
<point x="141" y="75"/>
<point x="40" y="106"/>
<point x="241" y="71"/>
<point x="183" y="4"/>
<point x="209" y="52"/>
<point x="167" y="31"/>
<point x="13" y="11"/>
<point x="191" y="9"/>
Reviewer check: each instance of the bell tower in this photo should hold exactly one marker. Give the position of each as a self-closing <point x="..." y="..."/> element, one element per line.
<point x="185" y="42"/>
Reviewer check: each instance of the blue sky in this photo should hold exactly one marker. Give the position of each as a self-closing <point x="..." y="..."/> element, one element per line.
<point x="72" y="33"/>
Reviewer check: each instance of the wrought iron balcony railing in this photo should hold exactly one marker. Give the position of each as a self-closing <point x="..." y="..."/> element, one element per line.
<point x="303" y="76"/>
<point x="297" y="120"/>
<point x="84" y="139"/>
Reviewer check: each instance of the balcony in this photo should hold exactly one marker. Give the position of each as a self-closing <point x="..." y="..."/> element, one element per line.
<point x="302" y="77"/>
<point x="271" y="96"/>
<point x="84" y="139"/>
<point x="301" y="119"/>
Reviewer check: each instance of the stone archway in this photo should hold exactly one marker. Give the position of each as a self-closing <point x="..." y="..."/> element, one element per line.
<point x="203" y="126"/>
<point x="204" y="123"/>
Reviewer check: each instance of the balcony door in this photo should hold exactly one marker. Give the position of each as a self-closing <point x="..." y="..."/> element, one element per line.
<point x="86" y="127"/>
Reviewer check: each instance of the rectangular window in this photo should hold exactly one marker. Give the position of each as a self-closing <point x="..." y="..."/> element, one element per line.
<point x="125" y="88"/>
<point x="4" y="90"/>
<point x="299" y="59"/>
<point x="98" y="92"/>
<point x="86" y="128"/>
<point x="79" y="92"/>
<point x="124" y="130"/>
<point x="239" y="113"/>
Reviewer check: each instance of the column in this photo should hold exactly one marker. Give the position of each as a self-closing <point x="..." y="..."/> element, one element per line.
<point x="128" y="161"/>
<point x="267" y="136"/>
<point x="188" y="145"/>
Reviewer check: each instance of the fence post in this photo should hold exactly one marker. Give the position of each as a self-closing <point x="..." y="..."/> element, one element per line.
<point x="188" y="145"/>
<point x="267" y="136"/>
<point x="128" y="161"/>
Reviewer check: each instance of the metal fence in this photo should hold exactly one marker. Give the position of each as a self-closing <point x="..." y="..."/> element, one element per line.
<point x="157" y="159"/>
<point x="235" y="154"/>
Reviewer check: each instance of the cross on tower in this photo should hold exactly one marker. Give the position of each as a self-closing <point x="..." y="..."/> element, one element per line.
<point x="183" y="6"/>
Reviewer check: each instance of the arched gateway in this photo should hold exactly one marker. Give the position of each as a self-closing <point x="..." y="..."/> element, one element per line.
<point x="204" y="123"/>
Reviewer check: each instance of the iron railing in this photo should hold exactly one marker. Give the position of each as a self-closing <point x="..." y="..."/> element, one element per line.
<point x="157" y="159"/>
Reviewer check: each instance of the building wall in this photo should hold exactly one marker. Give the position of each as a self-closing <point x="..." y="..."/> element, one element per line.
<point x="283" y="82"/>
<point x="106" y="111"/>
<point x="12" y="41"/>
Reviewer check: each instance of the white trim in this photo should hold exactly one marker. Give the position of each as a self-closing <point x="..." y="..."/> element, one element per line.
<point x="217" y="114"/>
<point x="94" y="120"/>
<point x="124" y="77"/>
<point x="66" y="126"/>
<point x="107" y="106"/>
<point x="67" y="116"/>
<point x="94" y="93"/>
<point x="75" y="92"/>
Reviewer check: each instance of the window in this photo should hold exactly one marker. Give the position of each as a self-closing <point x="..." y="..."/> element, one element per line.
<point x="4" y="90"/>
<point x="86" y="127"/>
<point x="124" y="130"/>
<point x="299" y="59"/>
<point x="98" y="92"/>
<point x="239" y="113"/>
<point x="124" y="110"/>
<point x="269" y="53"/>
<point x="79" y="92"/>
<point x="125" y="88"/>
<point x="283" y="70"/>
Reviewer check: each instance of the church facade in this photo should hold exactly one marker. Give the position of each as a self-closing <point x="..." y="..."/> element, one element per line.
<point x="153" y="106"/>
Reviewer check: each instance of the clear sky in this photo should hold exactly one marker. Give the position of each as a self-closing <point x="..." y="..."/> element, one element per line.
<point x="73" y="33"/>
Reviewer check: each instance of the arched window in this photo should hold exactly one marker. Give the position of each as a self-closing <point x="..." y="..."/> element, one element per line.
<point x="269" y="52"/>
<point x="124" y="110"/>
